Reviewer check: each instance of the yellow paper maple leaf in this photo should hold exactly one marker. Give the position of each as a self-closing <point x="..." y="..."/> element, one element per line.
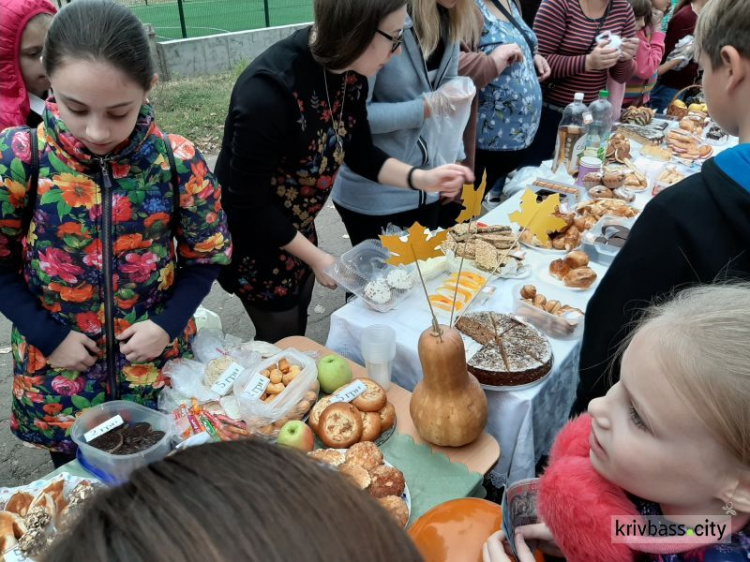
<point x="472" y="200"/>
<point x="538" y="218"/>
<point x="416" y="247"/>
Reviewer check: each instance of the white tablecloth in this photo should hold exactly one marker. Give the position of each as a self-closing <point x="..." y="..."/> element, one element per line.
<point x="524" y="422"/>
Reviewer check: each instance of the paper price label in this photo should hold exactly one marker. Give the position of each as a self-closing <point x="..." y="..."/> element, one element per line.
<point x="227" y="378"/>
<point x="588" y="118"/>
<point x="103" y="428"/>
<point x="14" y="555"/>
<point x="257" y="386"/>
<point x="349" y="393"/>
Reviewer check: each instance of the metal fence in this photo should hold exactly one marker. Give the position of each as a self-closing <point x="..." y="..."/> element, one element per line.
<point x="177" y="19"/>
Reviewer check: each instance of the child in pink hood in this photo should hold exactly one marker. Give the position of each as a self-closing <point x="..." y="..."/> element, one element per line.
<point x="636" y="91"/>
<point x="23" y="27"/>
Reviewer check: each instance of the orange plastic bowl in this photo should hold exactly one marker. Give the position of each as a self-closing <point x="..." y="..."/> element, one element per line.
<point x="455" y="531"/>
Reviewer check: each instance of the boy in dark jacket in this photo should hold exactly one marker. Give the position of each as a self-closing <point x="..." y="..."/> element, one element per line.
<point x="697" y="231"/>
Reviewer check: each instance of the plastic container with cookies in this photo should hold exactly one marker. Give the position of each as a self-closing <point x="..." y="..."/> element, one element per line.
<point x="537" y="304"/>
<point x="364" y="271"/>
<point x="358" y="411"/>
<point x="281" y="388"/>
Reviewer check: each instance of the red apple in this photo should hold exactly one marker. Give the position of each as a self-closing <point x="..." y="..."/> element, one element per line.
<point x="297" y="435"/>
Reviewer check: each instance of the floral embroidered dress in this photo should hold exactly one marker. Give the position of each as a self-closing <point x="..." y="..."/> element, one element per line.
<point x="100" y="256"/>
<point x="510" y="106"/>
<point x="278" y="159"/>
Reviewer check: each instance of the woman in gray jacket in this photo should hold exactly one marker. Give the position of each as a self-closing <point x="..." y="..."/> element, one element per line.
<point x="404" y="96"/>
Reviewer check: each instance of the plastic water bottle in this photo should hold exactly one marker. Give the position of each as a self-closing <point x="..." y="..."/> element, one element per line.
<point x="571" y="135"/>
<point x="602" y="119"/>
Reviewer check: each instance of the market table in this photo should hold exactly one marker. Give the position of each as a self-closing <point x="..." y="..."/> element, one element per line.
<point x="525" y="422"/>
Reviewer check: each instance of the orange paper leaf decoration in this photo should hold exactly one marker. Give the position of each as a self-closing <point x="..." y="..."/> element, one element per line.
<point x="539" y="218"/>
<point x="472" y="200"/>
<point x="416" y="247"/>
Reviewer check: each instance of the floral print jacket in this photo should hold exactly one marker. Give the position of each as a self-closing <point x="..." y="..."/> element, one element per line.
<point x="100" y="255"/>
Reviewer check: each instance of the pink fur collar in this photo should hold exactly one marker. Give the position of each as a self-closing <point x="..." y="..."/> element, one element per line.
<point x="576" y="503"/>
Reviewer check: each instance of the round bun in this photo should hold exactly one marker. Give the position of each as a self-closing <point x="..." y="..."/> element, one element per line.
<point x="387" y="417"/>
<point x="365" y="454"/>
<point x="340" y="426"/>
<point x="581" y="278"/>
<point x="558" y="269"/>
<point x="577" y="259"/>
<point x="370" y="426"/>
<point x="397" y="508"/>
<point x="372" y="399"/>
<point x="387" y="481"/>
<point x="356" y="475"/>
<point x="318" y="409"/>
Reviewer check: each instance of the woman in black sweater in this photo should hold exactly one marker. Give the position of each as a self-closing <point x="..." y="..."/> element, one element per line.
<point x="296" y="113"/>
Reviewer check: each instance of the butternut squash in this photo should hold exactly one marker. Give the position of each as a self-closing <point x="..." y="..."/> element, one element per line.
<point x="448" y="406"/>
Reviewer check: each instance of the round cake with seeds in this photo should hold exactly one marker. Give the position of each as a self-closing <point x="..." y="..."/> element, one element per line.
<point x="513" y="353"/>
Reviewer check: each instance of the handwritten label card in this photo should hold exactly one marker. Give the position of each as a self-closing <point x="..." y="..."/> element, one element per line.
<point x="227" y="378"/>
<point x="350" y="392"/>
<point x="103" y="428"/>
<point x="257" y="386"/>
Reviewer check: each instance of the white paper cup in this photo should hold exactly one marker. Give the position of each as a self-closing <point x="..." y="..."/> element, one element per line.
<point x="378" y="346"/>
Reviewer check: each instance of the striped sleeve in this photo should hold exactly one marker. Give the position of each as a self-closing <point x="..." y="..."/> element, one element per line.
<point x="566" y="36"/>
<point x="550" y="27"/>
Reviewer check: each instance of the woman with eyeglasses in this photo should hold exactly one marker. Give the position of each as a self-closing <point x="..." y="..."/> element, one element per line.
<point x="296" y="114"/>
<point x="409" y="91"/>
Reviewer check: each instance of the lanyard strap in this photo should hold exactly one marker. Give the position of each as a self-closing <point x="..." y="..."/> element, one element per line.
<point x="601" y="23"/>
<point x="517" y="25"/>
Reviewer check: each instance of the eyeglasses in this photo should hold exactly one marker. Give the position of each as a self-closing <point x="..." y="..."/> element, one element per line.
<point x="395" y="41"/>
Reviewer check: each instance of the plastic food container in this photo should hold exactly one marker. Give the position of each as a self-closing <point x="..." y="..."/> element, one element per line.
<point x="558" y="327"/>
<point x="293" y="403"/>
<point x="365" y="264"/>
<point x="117" y="468"/>
<point x="598" y="252"/>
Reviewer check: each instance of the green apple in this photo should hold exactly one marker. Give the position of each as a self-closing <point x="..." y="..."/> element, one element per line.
<point x="297" y="435"/>
<point x="333" y="373"/>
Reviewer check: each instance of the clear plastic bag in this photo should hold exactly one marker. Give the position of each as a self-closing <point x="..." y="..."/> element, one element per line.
<point x="444" y="133"/>
<point x="218" y="358"/>
<point x="265" y="419"/>
<point x="206" y="319"/>
<point x="684" y="51"/>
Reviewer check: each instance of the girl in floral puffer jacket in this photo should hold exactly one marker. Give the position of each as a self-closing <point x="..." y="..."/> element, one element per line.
<point x="99" y="293"/>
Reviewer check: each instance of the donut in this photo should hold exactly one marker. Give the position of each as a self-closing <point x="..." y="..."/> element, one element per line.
<point x="372" y="399"/>
<point x="340" y="426"/>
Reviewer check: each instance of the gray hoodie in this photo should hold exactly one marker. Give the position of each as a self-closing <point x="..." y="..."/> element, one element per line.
<point x="396" y="113"/>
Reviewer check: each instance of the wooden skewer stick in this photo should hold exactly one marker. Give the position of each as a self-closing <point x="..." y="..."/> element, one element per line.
<point x="460" y="267"/>
<point x="435" y="324"/>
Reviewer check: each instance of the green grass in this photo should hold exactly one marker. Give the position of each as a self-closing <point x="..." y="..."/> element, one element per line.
<point x="195" y="108"/>
<point x="208" y="17"/>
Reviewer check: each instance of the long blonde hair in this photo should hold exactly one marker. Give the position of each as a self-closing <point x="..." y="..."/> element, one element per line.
<point x="703" y="340"/>
<point x="463" y="23"/>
